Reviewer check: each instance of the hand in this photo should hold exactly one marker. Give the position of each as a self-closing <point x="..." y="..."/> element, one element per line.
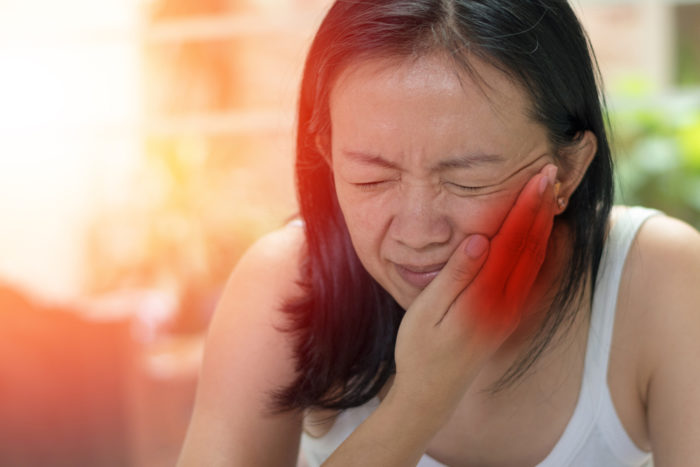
<point x="474" y="304"/>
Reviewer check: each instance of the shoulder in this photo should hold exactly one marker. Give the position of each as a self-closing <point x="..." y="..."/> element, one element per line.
<point x="273" y="259"/>
<point x="661" y="272"/>
<point x="664" y="265"/>
<point x="662" y="295"/>
<point x="247" y="356"/>
<point x="265" y="277"/>
<point x="664" y="262"/>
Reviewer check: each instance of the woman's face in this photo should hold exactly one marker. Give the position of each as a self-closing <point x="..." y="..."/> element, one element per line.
<point x="422" y="157"/>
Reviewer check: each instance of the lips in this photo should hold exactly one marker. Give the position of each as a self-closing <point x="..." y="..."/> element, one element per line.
<point x="418" y="276"/>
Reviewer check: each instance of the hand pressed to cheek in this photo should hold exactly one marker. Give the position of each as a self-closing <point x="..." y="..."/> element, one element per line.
<point x="496" y="296"/>
<point x="488" y="211"/>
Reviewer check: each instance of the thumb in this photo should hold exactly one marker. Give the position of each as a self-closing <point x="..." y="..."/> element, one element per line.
<point x="459" y="271"/>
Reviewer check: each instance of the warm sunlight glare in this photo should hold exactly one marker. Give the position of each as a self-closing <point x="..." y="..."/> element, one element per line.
<point x="68" y="125"/>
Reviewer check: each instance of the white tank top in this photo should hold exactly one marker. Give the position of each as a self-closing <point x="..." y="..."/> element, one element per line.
<point x="594" y="436"/>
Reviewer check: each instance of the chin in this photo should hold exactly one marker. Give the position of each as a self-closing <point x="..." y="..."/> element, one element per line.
<point x="404" y="299"/>
<point x="403" y="294"/>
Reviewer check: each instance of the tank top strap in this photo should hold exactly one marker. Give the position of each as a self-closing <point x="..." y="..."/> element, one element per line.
<point x="296" y="222"/>
<point x="594" y="387"/>
<point x="617" y="245"/>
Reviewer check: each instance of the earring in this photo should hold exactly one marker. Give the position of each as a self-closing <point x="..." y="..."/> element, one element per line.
<point x="561" y="201"/>
<point x="557" y="187"/>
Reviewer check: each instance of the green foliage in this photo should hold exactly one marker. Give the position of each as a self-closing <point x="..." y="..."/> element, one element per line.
<point x="657" y="151"/>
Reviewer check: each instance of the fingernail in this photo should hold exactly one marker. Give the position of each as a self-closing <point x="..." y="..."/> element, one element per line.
<point x="476" y="246"/>
<point x="544" y="181"/>
<point x="549" y="176"/>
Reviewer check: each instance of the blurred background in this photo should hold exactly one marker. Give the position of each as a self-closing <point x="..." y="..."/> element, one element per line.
<point x="147" y="143"/>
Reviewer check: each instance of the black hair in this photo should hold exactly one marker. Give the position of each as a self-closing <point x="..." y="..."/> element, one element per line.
<point x="345" y="324"/>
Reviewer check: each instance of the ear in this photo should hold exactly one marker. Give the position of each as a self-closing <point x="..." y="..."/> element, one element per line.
<point x="574" y="163"/>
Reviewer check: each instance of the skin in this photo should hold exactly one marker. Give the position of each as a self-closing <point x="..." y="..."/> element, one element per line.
<point x="403" y="210"/>
<point x="449" y="350"/>
<point x="410" y="198"/>
<point x="401" y="191"/>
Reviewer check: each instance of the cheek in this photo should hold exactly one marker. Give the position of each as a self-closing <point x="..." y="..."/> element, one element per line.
<point x="366" y="221"/>
<point x="367" y="218"/>
<point x="361" y="213"/>
<point x="483" y="215"/>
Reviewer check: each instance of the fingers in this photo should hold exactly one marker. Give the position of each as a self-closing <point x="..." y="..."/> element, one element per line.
<point x="512" y="237"/>
<point x="495" y="289"/>
<point x="532" y="257"/>
<point x="462" y="267"/>
<point x="517" y="253"/>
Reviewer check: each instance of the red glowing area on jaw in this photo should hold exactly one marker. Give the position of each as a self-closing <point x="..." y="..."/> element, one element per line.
<point x="515" y="257"/>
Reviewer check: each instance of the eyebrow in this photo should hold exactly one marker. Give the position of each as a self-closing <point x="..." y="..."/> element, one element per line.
<point x="469" y="161"/>
<point x="370" y="159"/>
<point x="460" y="162"/>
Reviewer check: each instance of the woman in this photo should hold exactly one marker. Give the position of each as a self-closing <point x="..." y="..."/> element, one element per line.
<point x="459" y="290"/>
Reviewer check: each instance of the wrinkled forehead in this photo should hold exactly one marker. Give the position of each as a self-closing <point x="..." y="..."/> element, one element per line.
<point x="477" y="79"/>
<point x="428" y="110"/>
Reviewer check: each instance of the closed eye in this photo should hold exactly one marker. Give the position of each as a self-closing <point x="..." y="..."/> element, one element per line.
<point x="465" y="189"/>
<point x="369" y="186"/>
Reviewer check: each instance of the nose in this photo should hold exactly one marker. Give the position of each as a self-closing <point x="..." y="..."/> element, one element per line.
<point x="419" y="221"/>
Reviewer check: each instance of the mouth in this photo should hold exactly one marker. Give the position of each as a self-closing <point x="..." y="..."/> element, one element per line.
<point x="418" y="276"/>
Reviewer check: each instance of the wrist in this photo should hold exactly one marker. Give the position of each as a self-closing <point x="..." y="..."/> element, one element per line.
<point x="410" y="404"/>
<point x="396" y="434"/>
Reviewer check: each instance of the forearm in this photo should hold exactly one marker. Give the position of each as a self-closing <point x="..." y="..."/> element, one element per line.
<point x="396" y="434"/>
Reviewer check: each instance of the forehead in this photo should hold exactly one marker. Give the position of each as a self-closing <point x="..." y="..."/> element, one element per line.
<point x="430" y="100"/>
<point x="432" y="73"/>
